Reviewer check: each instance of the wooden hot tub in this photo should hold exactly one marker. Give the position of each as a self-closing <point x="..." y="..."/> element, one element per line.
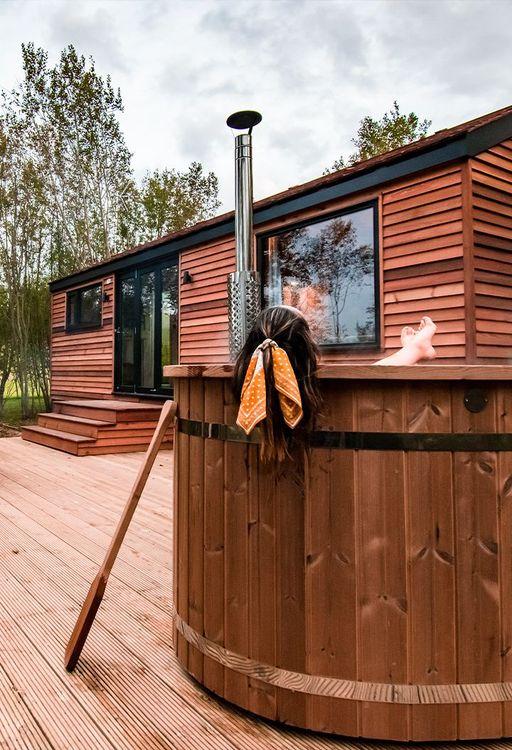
<point x="367" y="589"/>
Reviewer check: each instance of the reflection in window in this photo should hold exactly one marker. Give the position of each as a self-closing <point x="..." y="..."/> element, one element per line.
<point x="84" y="308"/>
<point x="127" y="322"/>
<point x="147" y="330"/>
<point x="169" y="347"/>
<point x="327" y="270"/>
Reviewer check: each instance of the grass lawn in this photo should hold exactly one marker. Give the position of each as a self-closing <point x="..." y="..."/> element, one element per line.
<point x="11" y="414"/>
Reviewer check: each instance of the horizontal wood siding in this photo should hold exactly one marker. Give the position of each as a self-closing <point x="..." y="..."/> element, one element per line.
<point x="421" y="245"/>
<point x="422" y="259"/>
<point x="491" y="174"/>
<point x="421" y="266"/>
<point x="203" y="303"/>
<point x="82" y="362"/>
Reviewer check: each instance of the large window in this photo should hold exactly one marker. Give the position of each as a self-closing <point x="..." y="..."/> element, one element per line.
<point x="146" y="328"/>
<point x="83" y="308"/>
<point x="327" y="269"/>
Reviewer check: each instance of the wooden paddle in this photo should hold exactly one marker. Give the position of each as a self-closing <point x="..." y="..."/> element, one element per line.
<point x="95" y="595"/>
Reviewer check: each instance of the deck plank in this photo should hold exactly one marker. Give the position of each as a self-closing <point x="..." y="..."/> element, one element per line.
<point x="128" y="691"/>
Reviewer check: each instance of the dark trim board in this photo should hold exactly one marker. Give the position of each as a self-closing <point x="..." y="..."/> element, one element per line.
<point x="455" y="148"/>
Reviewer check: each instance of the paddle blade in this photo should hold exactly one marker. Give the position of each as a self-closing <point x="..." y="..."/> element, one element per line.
<point x="84" y="622"/>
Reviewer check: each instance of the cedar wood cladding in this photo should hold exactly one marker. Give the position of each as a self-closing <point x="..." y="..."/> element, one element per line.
<point x="491" y="185"/>
<point x="445" y="241"/>
<point x="82" y="361"/>
<point x="421" y="264"/>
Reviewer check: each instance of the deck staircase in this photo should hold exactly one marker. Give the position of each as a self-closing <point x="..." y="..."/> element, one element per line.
<point x="86" y="427"/>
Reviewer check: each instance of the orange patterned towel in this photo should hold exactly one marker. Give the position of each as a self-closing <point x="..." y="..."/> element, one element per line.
<point x="253" y="404"/>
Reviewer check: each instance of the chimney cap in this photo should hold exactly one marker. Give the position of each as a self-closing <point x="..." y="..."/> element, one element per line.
<point x="247" y="118"/>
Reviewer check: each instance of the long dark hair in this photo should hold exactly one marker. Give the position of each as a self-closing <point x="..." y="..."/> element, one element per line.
<point x="290" y="330"/>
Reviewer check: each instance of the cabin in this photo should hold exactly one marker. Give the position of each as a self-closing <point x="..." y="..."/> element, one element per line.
<point x="425" y="229"/>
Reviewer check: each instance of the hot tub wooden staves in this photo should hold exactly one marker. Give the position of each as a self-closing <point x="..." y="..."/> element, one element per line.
<point x="366" y="588"/>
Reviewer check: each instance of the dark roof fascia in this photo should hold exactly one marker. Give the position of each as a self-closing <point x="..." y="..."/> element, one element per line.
<point x="151" y="254"/>
<point x="449" y="152"/>
<point x="460" y="147"/>
<point x="488" y="135"/>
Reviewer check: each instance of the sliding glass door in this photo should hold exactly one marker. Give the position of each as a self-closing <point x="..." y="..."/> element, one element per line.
<point x="146" y="328"/>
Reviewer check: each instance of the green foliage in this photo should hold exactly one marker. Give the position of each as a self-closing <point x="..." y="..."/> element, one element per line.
<point x="172" y="200"/>
<point x="12" y="410"/>
<point x="70" y="115"/>
<point x="375" y="137"/>
<point x="68" y="199"/>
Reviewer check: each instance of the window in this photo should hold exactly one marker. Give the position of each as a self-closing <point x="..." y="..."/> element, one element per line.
<point x="328" y="269"/>
<point x="146" y="327"/>
<point x="83" y="308"/>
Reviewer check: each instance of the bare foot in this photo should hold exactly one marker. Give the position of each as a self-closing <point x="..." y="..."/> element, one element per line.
<point x="420" y="340"/>
<point x="416" y="345"/>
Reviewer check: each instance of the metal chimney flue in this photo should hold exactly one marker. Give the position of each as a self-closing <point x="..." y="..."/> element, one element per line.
<point x="244" y="290"/>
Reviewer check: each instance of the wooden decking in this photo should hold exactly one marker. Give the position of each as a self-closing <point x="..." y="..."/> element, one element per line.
<point x="57" y="514"/>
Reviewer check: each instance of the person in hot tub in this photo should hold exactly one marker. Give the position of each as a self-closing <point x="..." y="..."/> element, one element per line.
<point x="275" y="379"/>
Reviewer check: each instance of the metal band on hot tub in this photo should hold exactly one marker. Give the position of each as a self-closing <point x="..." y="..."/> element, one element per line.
<point x="367" y="441"/>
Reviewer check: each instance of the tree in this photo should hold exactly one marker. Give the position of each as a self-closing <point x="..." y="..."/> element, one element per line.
<point x="24" y="231"/>
<point x="71" y="116"/>
<point x="5" y="347"/>
<point x="171" y="200"/>
<point x="68" y="199"/>
<point x="375" y="137"/>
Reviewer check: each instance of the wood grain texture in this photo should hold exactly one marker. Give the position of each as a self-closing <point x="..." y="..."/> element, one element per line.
<point x="369" y="595"/>
<point x="367" y="372"/>
<point x="491" y="181"/>
<point x="478" y="594"/>
<point x="381" y="569"/>
<point x="181" y="512"/>
<point x="82" y="363"/>
<point x="213" y="564"/>
<point x="97" y="426"/>
<point x="262" y="531"/>
<point x="330" y="553"/>
<point x="288" y="499"/>
<point x="504" y="480"/>
<point x="236" y="555"/>
<point x="195" y="526"/>
<point x="129" y="692"/>
<point x="431" y="562"/>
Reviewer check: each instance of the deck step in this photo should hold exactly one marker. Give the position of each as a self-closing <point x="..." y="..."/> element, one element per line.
<point x="75" y="425"/>
<point x="96" y="449"/>
<point x="109" y="411"/>
<point x="93" y="426"/>
<point x="63" y="441"/>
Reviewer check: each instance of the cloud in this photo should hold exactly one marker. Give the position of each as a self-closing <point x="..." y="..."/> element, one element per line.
<point x="313" y="68"/>
<point x="92" y="32"/>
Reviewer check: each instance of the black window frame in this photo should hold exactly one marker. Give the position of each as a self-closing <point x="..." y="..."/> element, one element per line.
<point x="74" y="327"/>
<point x="160" y="390"/>
<point x="374" y="205"/>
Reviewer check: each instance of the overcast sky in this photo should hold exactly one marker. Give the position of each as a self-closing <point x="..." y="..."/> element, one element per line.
<point x="313" y="68"/>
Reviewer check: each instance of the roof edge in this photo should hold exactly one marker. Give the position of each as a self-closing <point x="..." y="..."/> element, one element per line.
<point x="455" y="147"/>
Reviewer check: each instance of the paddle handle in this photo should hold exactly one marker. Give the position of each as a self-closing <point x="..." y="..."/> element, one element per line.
<point x="97" y="589"/>
<point x="167" y="414"/>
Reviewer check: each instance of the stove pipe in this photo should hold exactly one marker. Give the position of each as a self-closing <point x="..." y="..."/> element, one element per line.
<point x="244" y="289"/>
